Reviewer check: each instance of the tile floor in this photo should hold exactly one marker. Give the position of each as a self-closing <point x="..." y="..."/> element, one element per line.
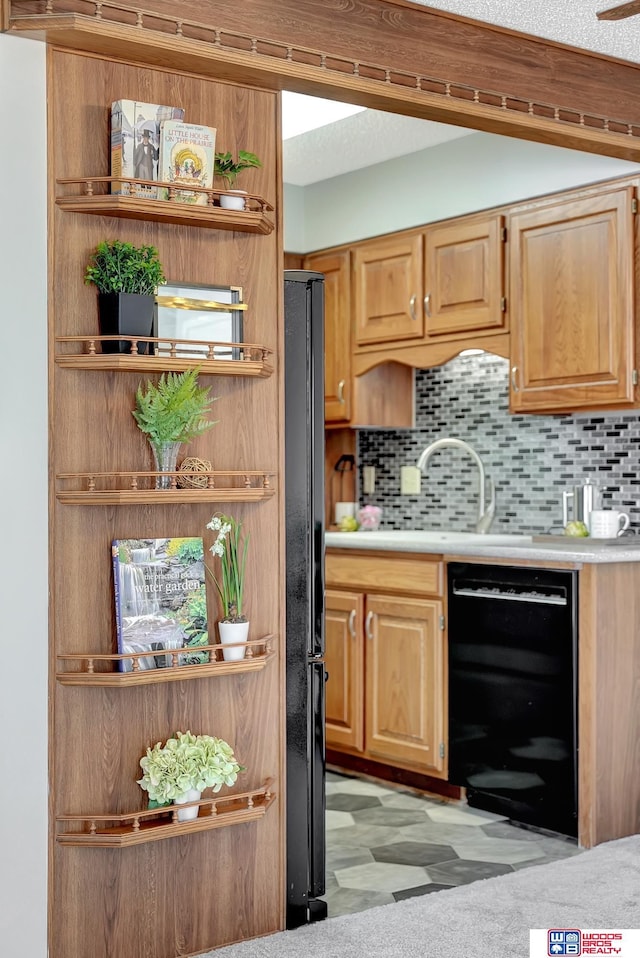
<point x="385" y="844"/>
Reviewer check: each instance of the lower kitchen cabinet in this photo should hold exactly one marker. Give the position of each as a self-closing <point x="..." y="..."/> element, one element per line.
<point x="344" y="656"/>
<point x="404" y="681"/>
<point x="385" y="661"/>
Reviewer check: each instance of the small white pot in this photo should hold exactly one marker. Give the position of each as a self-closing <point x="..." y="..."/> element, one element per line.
<point x="235" y="202"/>
<point x="233" y="632"/>
<point x="188" y="814"/>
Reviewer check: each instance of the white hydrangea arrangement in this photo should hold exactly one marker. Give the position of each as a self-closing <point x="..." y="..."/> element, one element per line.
<point x="230" y="547"/>
<point x="184" y="762"/>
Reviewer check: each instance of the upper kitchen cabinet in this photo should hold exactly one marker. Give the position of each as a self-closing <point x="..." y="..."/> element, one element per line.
<point x="337" y="332"/>
<point x="464" y="277"/>
<point x="571" y="265"/>
<point x="387" y="277"/>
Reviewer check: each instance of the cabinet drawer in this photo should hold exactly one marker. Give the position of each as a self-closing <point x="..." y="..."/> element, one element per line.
<point x="384" y="573"/>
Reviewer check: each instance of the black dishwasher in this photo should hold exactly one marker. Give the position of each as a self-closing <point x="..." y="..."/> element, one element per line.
<point x="513" y="643"/>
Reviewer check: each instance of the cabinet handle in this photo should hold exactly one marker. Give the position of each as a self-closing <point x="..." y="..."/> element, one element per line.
<point x="352" y="623"/>
<point x="367" y="625"/>
<point x="427" y="305"/>
<point x="412" y="307"/>
<point x="341" y="392"/>
<point x="514" y="379"/>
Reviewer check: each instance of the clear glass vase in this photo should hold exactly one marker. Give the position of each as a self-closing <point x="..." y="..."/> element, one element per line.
<point x="165" y="455"/>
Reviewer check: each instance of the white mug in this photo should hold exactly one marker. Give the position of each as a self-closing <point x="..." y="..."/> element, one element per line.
<point x="345" y="510"/>
<point x="607" y="523"/>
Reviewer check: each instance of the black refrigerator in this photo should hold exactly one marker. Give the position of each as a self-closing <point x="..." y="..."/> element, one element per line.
<point x="305" y="666"/>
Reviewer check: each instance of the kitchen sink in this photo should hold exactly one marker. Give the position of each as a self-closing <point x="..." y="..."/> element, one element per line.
<point x="427" y="537"/>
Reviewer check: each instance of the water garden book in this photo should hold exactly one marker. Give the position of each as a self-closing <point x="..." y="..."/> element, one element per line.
<point x="160" y="600"/>
<point x="135" y="142"/>
<point x="187" y="158"/>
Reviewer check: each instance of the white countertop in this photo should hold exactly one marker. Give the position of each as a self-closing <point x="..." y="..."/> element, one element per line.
<point x="491" y="545"/>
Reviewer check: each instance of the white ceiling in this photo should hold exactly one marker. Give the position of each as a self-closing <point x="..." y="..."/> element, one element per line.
<point x="372" y="137"/>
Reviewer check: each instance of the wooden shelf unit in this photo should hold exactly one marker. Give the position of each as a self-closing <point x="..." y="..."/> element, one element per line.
<point x="91" y="428"/>
<point x="254" y="219"/>
<point x="137" y="828"/>
<point x="257" y="656"/>
<point x="130" y="488"/>
<point x="254" y="360"/>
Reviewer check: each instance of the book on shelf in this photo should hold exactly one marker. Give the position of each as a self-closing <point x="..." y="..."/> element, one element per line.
<point x="187" y="156"/>
<point x="135" y="143"/>
<point x="160" y="601"/>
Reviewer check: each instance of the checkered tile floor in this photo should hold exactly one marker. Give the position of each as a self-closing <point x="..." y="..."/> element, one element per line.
<point x="384" y="845"/>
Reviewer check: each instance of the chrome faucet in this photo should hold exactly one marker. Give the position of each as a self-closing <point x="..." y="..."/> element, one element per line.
<point x="485" y="512"/>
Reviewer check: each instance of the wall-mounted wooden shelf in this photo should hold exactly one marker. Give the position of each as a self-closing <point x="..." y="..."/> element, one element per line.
<point x="253" y="219"/>
<point x="88" y="665"/>
<point x="138" y="488"/>
<point x="137" y="828"/>
<point x="253" y="359"/>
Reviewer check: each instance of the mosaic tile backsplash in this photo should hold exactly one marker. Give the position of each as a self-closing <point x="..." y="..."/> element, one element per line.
<point x="530" y="458"/>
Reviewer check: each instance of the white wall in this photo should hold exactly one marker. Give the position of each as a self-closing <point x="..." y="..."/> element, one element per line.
<point x="295" y="237"/>
<point x="474" y="172"/>
<point x="23" y="499"/>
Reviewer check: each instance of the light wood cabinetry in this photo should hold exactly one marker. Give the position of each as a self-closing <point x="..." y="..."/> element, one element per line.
<point x="388" y="290"/>
<point x="572" y="303"/>
<point x="404" y="681"/>
<point x="344" y="623"/>
<point x="384" y="396"/>
<point x="567" y="323"/>
<point x="385" y="659"/>
<point x="338" y="387"/>
<point x="464" y="277"/>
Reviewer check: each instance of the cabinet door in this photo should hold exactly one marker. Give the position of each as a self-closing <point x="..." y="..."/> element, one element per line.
<point x="464" y="277"/>
<point x="345" y="666"/>
<point x="337" y="332"/>
<point x="572" y="304"/>
<point x="404" y="681"/>
<point x="388" y="290"/>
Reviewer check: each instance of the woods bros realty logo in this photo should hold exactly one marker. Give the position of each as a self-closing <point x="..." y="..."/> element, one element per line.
<point x="623" y="943"/>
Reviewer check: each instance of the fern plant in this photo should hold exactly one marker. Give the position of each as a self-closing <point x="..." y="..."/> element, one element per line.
<point x="175" y="409"/>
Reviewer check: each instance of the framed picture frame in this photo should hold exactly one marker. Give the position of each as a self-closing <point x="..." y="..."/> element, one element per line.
<point x="187" y="313"/>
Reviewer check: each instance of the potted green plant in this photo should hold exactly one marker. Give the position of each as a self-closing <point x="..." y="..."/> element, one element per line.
<point x="229" y="169"/>
<point x="230" y="547"/>
<point x="181" y="769"/>
<point x="127" y="278"/>
<point x="170" y="412"/>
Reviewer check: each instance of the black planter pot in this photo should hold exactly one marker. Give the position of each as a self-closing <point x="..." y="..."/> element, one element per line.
<point x="127" y="314"/>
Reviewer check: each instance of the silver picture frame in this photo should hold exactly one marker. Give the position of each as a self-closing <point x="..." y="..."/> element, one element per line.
<point x="191" y="315"/>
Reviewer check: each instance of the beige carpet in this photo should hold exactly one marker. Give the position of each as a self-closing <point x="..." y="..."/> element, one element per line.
<point x="598" y="889"/>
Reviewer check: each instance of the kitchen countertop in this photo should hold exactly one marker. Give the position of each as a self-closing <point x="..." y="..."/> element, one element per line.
<point x="623" y="549"/>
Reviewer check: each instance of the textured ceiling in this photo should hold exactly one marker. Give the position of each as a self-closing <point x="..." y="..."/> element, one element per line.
<point x="358" y="141"/>
<point x="567" y="21"/>
<point x="372" y="137"/>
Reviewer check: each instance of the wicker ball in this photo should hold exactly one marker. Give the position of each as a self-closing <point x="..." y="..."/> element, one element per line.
<point x="190" y="467"/>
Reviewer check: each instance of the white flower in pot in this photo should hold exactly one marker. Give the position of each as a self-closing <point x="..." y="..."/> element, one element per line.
<point x="230" y="547"/>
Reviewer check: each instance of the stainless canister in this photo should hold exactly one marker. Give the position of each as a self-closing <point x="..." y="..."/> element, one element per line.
<point x="579" y="501"/>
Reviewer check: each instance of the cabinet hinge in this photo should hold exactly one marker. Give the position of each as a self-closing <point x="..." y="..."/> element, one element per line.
<point x="503" y="234"/>
<point x="442" y="623"/>
<point x="634" y="377"/>
<point x="634" y="205"/>
<point x="503" y="304"/>
<point x="441" y="749"/>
